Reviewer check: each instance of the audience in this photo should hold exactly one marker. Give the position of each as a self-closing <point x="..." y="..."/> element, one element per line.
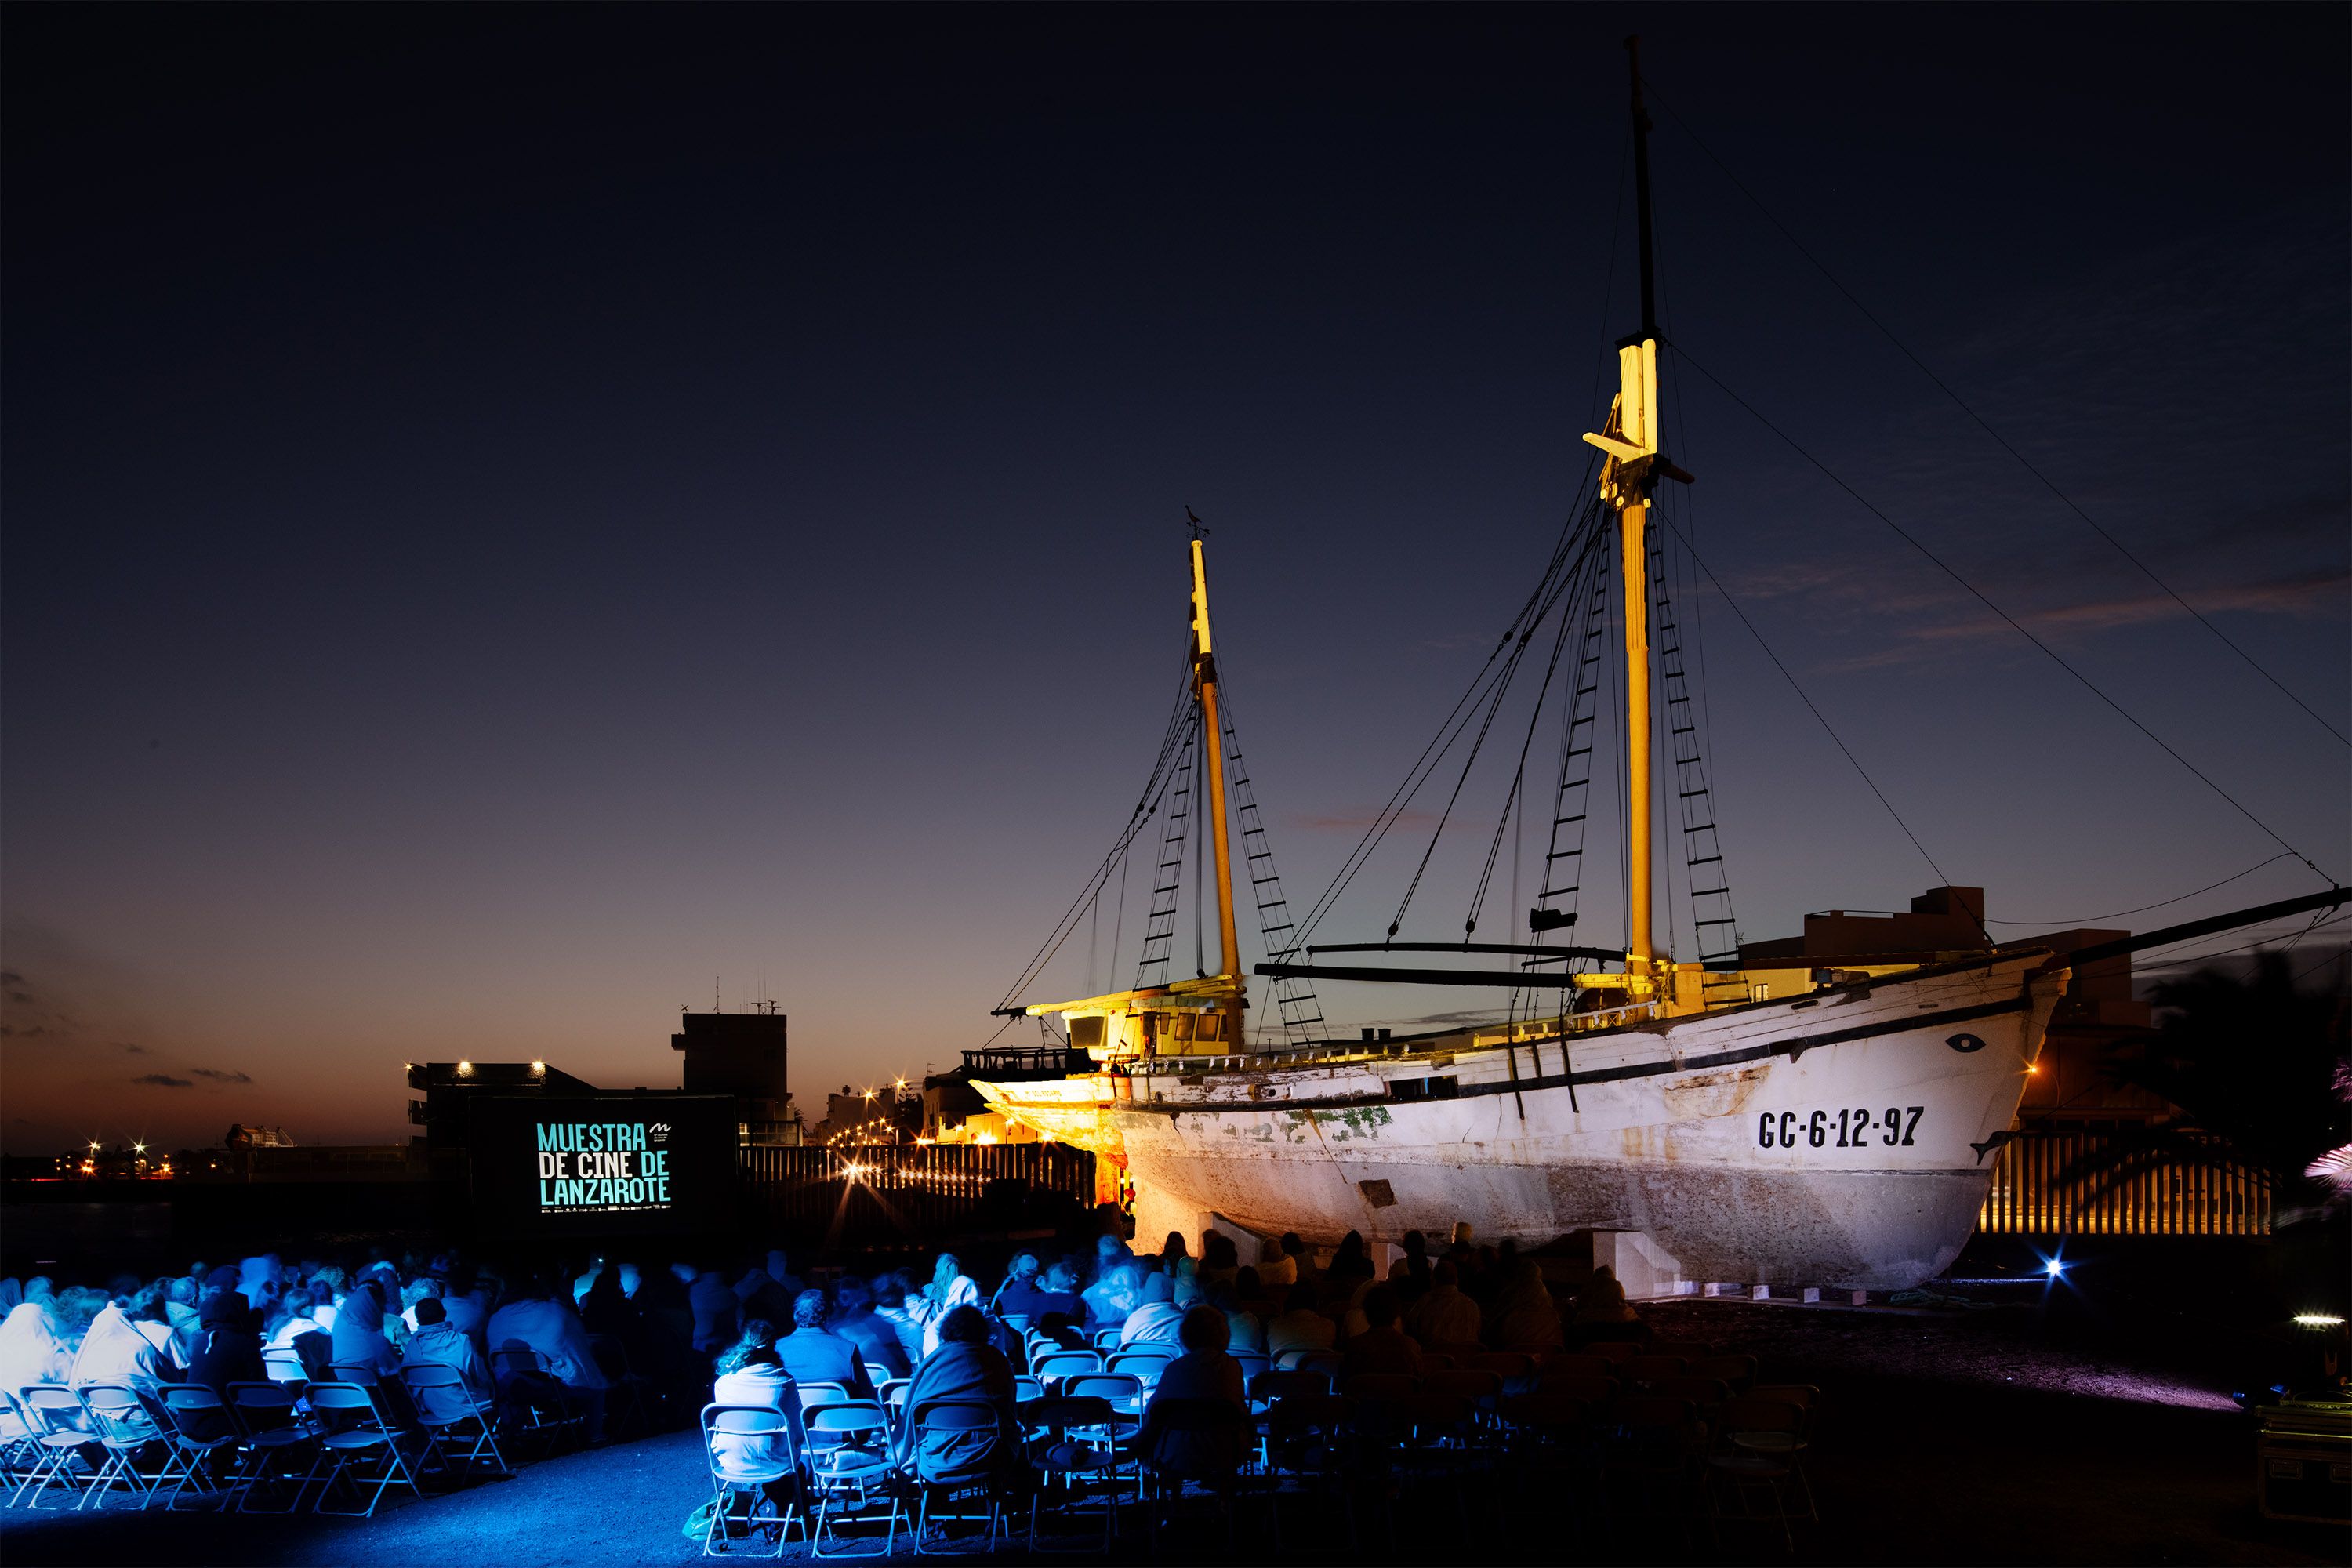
<point x="967" y="1369"/>
<point x="813" y="1353"/>
<point x="1444" y="1315"/>
<point x="1381" y="1347"/>
<point x="228" y="1349"/>
<point x="439" y="1343"/>
<point x="1524" y="1316"/>
<point x="1300" y="1327"/>
<point x="1204" y="1375"/>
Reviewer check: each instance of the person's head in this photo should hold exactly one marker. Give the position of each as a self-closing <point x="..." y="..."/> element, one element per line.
<point x="1300" y="1299"/>
<point x="1291" y="1246"/>
<point x="760" y="1355"/>
<point x="1351" y="1245"/>
<point x="758" y="1332"/>
<point x="853" y="1298"/>
<point x="1217" y="1250"/>
<point x="1174" y="1247"/>
<point x="1188" y="1291"/>
<point x="1203" y="1329"/>
<point x="1108" y="1250"/>
<point x="1445" y="1276"/>
<point x="1157" y="1289"/>
<point x="1025" y="1266"/>
<point x="147" y="1306"/>
<point x="429" y="1311"/>
<point x="226" y="1310"/>
<point x="1380" y="1307"/>
<point x="419" y="1290"/>
<point x="1415" y="1244"/>
<point x="808" y="1310"/>
<point x="776" y="1269"/>
<point x="77" y="1305"/>
<point x="1061" y="1278"/>
<point x="964" y="1326"/>
<point x="1247" y="1285"/>
<point x="182" y="1291"/>
<point x="685" y="1273"/>
<point x="943" y="1273"/>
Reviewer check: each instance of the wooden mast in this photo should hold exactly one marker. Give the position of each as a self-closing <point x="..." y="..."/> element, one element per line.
<point x="1212" y="749"/>
<point x="1632" y="442"/>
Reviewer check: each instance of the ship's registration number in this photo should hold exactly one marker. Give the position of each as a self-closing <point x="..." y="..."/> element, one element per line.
<point x="1844" y="1129"/>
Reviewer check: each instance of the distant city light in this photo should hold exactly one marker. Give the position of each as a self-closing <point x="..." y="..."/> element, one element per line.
<point x="139" y="1148"/>
<point x="2054" y="1268"/>
<point x="93" y="1147"/>
<point x="538" y="1065"/>
<point x="2318" y="1320"/>
<point x="465" y="1066"/>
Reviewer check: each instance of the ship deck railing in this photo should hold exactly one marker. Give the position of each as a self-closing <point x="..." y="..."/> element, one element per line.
<point x="1537" y="1031"/>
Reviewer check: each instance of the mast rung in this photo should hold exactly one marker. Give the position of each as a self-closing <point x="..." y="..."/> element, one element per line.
<point x="1554" y="893"/>
<point x="1579" y="751"/>
<point x="1686" y="729"/>
<point x="1724" y="922"/>
<point x="1564" y="821"/>
<point x="1562" y="855"/>
<point x="1707" y="860"/>
<point x="1688" y="793"/>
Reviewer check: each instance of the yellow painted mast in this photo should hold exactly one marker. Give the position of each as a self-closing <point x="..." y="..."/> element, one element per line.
<point x="1212" y="748"/>
<point x="1632" y="467"/>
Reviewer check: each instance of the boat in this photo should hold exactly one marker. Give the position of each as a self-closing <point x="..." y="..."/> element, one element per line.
<point x="1798" y="1123"/>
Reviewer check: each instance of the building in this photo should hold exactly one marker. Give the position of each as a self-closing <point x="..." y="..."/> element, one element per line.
<point x="451" y="1088"/>
<point x="743" y="1054"/>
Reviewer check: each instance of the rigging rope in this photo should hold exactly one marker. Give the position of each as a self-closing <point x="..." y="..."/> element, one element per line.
<point x="1941" y="386"/>
<point x="1978" y="595"/>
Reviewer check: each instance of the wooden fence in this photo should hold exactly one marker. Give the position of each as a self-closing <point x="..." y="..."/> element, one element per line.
<point x="2173" y="1199"/>
<point x="910" y="1191"/>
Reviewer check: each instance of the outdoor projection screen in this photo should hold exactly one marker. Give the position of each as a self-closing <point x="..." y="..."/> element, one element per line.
<point x="639" y="1164"/>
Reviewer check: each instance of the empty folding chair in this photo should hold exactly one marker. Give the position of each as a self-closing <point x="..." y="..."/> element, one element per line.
<point x="1757" y="1444"/>
<point x="1736" y="1372"/>
<point x="130" y="1434"/>
<point x="1196" y="1442"/>
<point x="1252" y="1364"/>
<point x="752" y="1453"/>
<point x="358" y="1444"/>
<point x="1106" y="1339"/>
<point x="66" y="1428"/>
<point x="461" y="1427"/>
<point x="203" y="1435"/>
<point x="1061" y="1449"/>
<point x="274" y="1440"/>
<point x="20" y="1443"/>
<point x="539" y="1404"/>
<point x="813" y="1395"/>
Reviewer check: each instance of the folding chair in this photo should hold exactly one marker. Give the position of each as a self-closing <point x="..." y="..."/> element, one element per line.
<point x="1736" y="1372"/>
<point x="849" y="1462"/>
<point x="951" y="1474"/>
<point x="272" y="1435"/>
<point x="283" y="1363"/>
<point x="1328" y="1363"/>
<point x="459" y="1427"/>
<point x="627" y="1400"/>
<point x="1305" y="1438"/>
<point x="353" y="1433"/>
<point x="1757" y="1443"/>
<point x="750" y="1449"/>
<point x="1026" y="1388"/>
<point x="1106" y="1339"/>
<point x="1655" y="1461"/>
<point x="198" y="1426"/>
<point x="1174" y="1469"/>
<point x="891" y="1393"/>
<point x="529" y="1389"/>
<point x="20" y="1441"/>
<point x="1144" y="1365"/>
<point x="127" y="1430"/>
<point x="1054" y="1365"/>
<point x="65" y="1428"/>
<point x="1252" y="1364"/>
<point x="1056" y="1455"/>
<point x="815" y="1394"/>
<point x="1614" y="1352"/>
<point x="1645" y="1370"/>
<point x="1121" y="1392"/>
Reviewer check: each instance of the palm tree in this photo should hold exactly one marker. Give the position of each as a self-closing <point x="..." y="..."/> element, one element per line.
<point x="2262" y="1070"/>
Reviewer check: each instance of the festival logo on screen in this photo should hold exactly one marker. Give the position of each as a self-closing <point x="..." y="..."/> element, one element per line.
<point x="604" y="1167"/>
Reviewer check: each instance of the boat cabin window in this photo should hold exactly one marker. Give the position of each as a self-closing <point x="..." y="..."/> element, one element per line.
<point x="1086" y="1034"/>
<point x="1425" y="1089"/>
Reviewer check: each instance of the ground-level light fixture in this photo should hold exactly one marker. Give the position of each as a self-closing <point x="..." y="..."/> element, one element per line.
<point x="2318" y="1320"/>
<point x="537" y="1066"/>
<point x="465" y="1066"/>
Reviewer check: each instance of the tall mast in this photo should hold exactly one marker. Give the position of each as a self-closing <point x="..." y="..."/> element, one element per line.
<point x="1212" y="748"/>
<point x="1632" y="469"/>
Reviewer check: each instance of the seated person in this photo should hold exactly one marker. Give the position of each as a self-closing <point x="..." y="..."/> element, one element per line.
<point x="536" y="1320"/>
<point x="968" y="1369"/>
<point x="1382" y="1346"/>
<point x="811" y="1354"/>
<point x="228" y="1349"/>
<point x="876" y="1338"/>
<point x="752" y="1374"/>
<point x="1444" y="1315"/>
<point x="1205" y="1373"/>
<point x="1113" y="1296"/>
<point x="1017" y="1297"/>
<point x="1248" y="1333"/>
<point x="439" y="1343"/>
<point x="1157" y="1319"/>
<point x="1300" y="1327"/>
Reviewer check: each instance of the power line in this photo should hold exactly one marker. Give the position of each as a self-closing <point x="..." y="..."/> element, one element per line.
<point x="1977" y="593"/>
<point x="1945" y="387"/>
<point x="2091" y="920"/>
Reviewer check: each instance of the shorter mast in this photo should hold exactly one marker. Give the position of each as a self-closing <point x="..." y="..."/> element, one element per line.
<point x="1212" y="748"/>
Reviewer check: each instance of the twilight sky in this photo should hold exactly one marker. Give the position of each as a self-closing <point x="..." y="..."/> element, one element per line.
<point x="516" y="518"/>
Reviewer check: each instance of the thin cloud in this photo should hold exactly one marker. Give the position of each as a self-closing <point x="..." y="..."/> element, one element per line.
<point x="163" y="1081"/>
<point x="218" y="1076"/>
<point x="127" y="1049"/>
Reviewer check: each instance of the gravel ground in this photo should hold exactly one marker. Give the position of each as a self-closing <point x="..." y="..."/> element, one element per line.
<point x="1944" y="1438"/>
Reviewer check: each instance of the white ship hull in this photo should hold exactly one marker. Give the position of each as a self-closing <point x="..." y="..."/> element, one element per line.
<point x="1753" y="1144"/>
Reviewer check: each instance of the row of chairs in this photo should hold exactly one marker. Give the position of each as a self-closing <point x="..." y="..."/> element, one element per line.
<point x="104" y="1439"/>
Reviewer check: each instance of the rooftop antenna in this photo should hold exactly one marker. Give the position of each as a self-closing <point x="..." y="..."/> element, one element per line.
<point x="714" y="993"/>
<point x="1199" y="532"/>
